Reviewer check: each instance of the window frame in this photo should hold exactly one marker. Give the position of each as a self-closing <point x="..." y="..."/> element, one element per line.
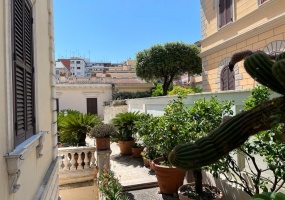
<point x="23" y="76"/>
<point x="218" y="13"/>
<point x="226" y="68"/>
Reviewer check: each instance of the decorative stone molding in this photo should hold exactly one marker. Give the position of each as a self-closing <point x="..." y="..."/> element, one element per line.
<point x="15" y="158"/>
<point x="40" y="146"/>
<point x="238" y="76"/>
<point x="275" y="47"/>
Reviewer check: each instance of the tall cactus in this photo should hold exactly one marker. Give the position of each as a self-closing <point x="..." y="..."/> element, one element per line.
<point x="238" y="129"/>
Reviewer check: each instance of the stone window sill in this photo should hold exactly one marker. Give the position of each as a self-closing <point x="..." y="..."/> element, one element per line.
<point x="15" y="158"/>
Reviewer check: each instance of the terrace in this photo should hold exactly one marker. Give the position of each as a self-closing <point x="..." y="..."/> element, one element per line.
<point x="79" y="165"/>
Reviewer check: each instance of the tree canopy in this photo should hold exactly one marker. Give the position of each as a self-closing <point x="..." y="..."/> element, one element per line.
<point x="168" y="61"/>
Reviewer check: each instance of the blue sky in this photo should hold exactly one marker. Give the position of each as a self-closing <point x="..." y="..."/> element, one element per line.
<point x="114" y="30"/>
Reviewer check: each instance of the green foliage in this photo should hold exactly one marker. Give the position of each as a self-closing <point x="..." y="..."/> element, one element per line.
<point x="124" y="124"/>
<point x="258" y="94"/>
<point x="263" y="144"/>
<point x="109" y="186"/>
<point x="197" y="89"/>
<point x="178" y="90"/>
<point x="130" y="95"/>
<point x="269" y="196"/>
<point x="157" y="91"/>
<point x="179" y="124"/>
<point x="102" y="131"/>
<point x="167" y="61"/>
<point x="73" y="126"/>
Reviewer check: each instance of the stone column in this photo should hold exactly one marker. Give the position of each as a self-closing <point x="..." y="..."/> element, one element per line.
<point x="103" y="160"/>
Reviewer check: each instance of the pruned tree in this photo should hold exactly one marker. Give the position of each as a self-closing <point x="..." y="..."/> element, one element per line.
<point x="168" y="61"/>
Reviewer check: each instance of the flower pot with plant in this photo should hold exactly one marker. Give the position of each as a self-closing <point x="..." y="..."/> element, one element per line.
<point x="180" y="125"/>
<point x="124" y="124"/>
<point x="137" y="149"/>
<point x="73" y="126"/>
<point x="102" y="133"/>
<point x="235" y="132"/>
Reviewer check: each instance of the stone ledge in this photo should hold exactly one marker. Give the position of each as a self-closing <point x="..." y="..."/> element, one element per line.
<point x="15" y="158"/>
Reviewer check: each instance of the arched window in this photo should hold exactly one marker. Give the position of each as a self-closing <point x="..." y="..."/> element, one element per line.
<point x="227" y="79"/>
<point x="274" y="48"/>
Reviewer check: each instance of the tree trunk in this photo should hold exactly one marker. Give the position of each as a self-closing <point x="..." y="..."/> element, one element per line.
<point x="81" y="138"/>
<point x="198" y="180"/>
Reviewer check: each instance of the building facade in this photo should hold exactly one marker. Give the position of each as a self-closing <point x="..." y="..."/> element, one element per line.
<point x="230" y="26"/>
<point x="28" y="165"/>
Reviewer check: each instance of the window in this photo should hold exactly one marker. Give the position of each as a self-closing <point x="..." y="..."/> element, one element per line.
<point x="78" y="68"/>
<point x="227" y="79"/>
<point x="225" y="12"/>
<point x="78" y="62"/>
<point x="78" y="74"/>
<point x="72" y="62"/>
<point x="57" y="72"/>
<point x="23" y="70"/>
<point x="72" y="68"/>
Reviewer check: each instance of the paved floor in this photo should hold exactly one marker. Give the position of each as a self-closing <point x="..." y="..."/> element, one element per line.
<point x="138" y="181"/>
<point x="80" y="193"/>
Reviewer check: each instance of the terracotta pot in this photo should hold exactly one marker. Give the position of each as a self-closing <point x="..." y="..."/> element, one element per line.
<point x="102" y="143"/>
<point x="146" y="162"/>
<point x="169" y="178"/>
<point x="59" y="144"/>
<point x="126" y="147"/>
<point x="183" y="187"/>
<point x="137" y="152"/>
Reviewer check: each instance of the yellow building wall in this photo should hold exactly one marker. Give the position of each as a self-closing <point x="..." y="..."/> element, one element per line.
<point x="247" y="16"/>
<point x="33" y="169"/>
<point x="258" y="42"/>
<point x="245" y="33"/>
<point x="3" y="112"/>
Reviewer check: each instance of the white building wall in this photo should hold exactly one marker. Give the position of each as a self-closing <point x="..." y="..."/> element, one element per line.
<point x="73" y="96"/>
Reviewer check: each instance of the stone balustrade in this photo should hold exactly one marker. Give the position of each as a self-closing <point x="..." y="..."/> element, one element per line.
<point x="82" y="80"/>
<point x="76" y="164"/>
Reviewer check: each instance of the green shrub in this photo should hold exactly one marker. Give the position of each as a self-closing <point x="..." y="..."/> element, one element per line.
<point x="130" y="95"/>
<point x="109" y="186"/>
<point x="178" y="90"/>
<point x="157" y="91"/>
<point x="73" y="126"/>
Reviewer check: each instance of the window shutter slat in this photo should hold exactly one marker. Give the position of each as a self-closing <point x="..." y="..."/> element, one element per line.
<point x="28" y="35"/>
<point x="18" y="29"/>
<point x="23" y="70"/>
<point x="229" y="11"/>
<point x="221" y="13"/>
<point x="227" y="79"/>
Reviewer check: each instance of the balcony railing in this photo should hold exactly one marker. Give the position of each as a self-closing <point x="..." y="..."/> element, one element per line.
<point x="82" y="80"/>
<point x="76" y="164"/>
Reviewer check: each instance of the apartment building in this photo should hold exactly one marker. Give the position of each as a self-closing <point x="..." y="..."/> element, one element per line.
<point x="230" y="26"/>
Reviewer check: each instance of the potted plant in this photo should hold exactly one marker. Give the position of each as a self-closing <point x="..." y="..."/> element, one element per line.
<point x="137" y="149"/>
<point x="124" y="124"/>
<point x="102" y="133"/>
<point x="145" y="157"/>
<point x="73" y="126"/>
<point x="236" y="131"/>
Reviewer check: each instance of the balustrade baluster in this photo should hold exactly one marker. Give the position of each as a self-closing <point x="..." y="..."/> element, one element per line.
<point x="79" y="161"/>
<point x="61" y="162"/>
<point x="86" y="165"/>
<point x="82" y="157"/>
<point x="93" y="160"/>
<point x="72" y="162"/>
<point x="67" y="161"/>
